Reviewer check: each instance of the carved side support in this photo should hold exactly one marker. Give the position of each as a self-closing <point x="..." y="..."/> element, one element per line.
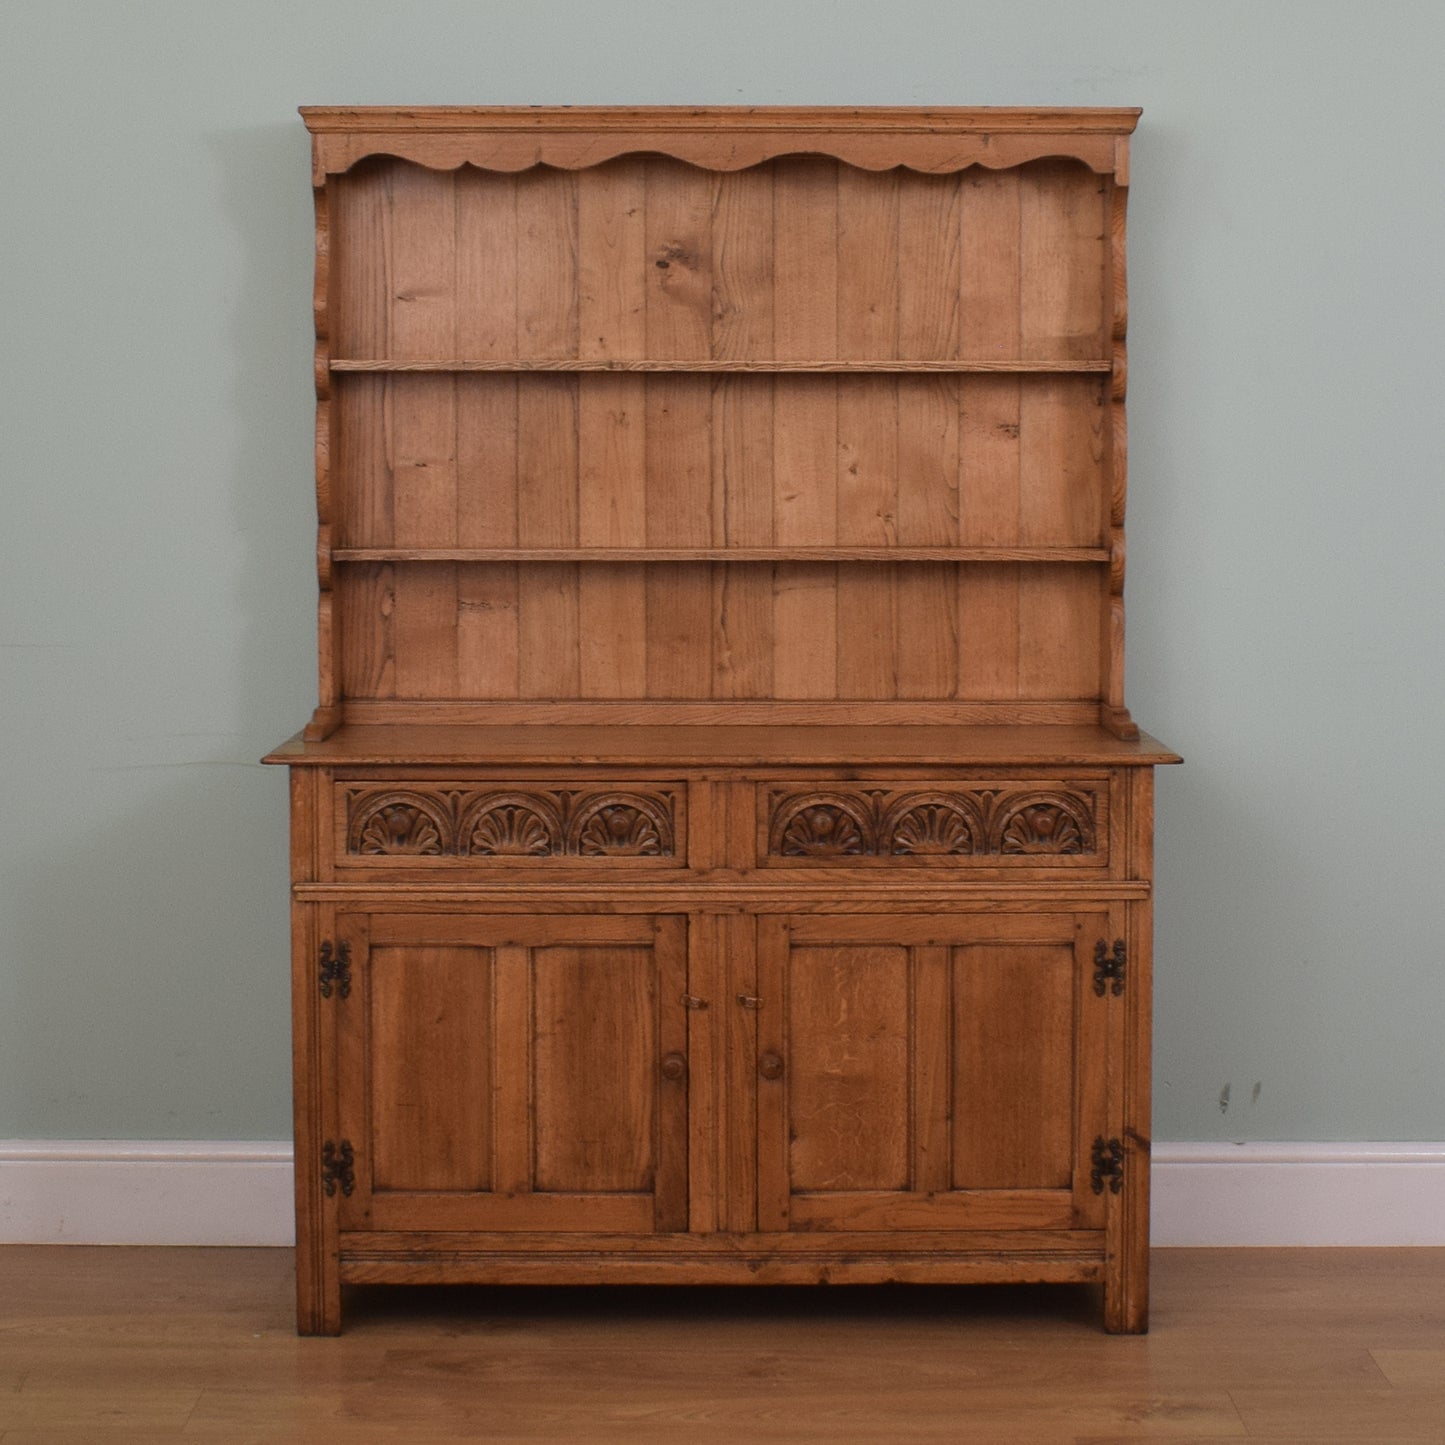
<point x="327" y="717"/>
<point x="1113" y="714"/>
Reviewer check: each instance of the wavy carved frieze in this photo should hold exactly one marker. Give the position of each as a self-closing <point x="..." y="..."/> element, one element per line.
<point x="839" y="824"/>
<point x="471" y="822"/>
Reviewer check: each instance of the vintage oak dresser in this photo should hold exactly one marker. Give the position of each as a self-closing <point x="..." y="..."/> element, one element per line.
<point x="722" y="852"/>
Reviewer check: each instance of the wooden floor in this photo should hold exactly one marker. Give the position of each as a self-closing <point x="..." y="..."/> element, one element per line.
<point x="196" y="1344"/>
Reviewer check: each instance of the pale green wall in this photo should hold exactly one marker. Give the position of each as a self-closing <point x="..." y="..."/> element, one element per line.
<point x="1286" y="516"/>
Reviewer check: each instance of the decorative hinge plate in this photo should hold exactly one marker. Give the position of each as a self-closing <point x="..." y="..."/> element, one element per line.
<point x="1108" y="1161"/>
<point x="338" y="1167"/>
<point x="1109" y="967"/>
<point x="335" y="969"/>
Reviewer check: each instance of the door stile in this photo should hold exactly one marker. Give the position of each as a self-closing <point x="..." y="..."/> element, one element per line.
<point x="738" y="936"/>
<point x="770" y="1082"/>
<point x="346" y="1038"/>
<point x="931" y="1107"/>
<point x="670" y="1198"/>
<point x="707" y="1169"/>
<point x="513" y="1026"/>
<point x="1092" y="1043"/>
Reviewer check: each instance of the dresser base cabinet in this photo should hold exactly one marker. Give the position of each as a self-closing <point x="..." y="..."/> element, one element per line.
<point x="721" y="849"/>
<point x="725" y="1072"/>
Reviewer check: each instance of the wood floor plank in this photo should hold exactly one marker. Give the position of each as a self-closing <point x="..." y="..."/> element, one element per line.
<point x="1276" y="1347"/>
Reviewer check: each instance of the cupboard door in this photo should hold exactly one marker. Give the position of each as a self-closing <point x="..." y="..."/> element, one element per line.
<point x="515" y="1072"/>
<point x="930" y="1072"/>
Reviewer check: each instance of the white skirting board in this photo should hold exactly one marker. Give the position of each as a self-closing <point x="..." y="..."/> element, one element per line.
<point x="205" y="1192"/>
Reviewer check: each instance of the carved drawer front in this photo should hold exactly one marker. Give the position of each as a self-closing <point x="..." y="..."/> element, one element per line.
<point x="995" y="824"/>
<point x="389" y="824"/>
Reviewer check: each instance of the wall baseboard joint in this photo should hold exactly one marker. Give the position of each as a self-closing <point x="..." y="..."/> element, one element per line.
<point x="204" y="1192"/>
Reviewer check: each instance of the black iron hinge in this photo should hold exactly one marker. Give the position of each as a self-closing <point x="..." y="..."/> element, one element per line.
<point x="335" y="968"/>
<point x="338" y="1167"/>
<point x="1109" y="966"/>
<point x="1108" y="1160"/>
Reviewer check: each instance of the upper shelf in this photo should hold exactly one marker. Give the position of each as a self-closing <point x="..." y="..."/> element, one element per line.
<point x="344" y="364"/>
<point x="720" y="138"/>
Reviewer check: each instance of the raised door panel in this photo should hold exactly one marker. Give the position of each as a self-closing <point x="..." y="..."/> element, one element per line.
<point x="524" y="1073"/>
<point x="931" y="1072"/>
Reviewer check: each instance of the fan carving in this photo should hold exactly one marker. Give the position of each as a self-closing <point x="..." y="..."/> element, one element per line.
<point x="886" y="822"/>
<point x="822" y="830"/>
<point x="512" y="831"/>
<point x="397" y="827"/>
<point x="524" y="822"/>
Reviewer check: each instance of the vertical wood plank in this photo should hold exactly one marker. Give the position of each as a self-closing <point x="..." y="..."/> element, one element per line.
<point x="988" y="631"/>
<point x="422" y="216"/>
<point x="805" y="319"/>
<point x="742" y="461"/>
<point x="929" y="415"/>
<point x="929" y="249"/>
<point x="805" y="630"/>
<point x="680" y="626"/>
<point x="926" y="630"/>
<point x="360" y="474"/>
<point x="511" y="1052"/>
<point x="742" y="264"/>
<point x="488" y="635"/>
<point x="1061" y="254"/>
<point x="366" y="603"/>
<point x="1060" y="462"/>
<point x="742" y="652"/>
<point x="612" y="630"/>
<point x="486" y="327"/>
<point x="867" y="251"/>
<point x="487" y="452"/>
<point x="546" y="263"/>
<point x="359" y="215"/>
<point x="679" y="261"/>
<point x="867" y="628"/>
<point x="547" y="461"/>
<point x="613" y="506"/>
<point x="611" y="260"/>
<point x="868" y="448"/>
<point x="989" y="265"/>
<point x="425" y="630"/>
<point x="679" y="461"/>
<point x="419" y="421"/>
<point x="1058" y="631"/>
<point x="990" y="421"/>
<point x="548" y="635"/>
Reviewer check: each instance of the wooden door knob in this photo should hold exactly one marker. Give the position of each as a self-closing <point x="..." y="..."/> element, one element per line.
<point x="770" y="1066"/>
<point x="674" y="1067"/>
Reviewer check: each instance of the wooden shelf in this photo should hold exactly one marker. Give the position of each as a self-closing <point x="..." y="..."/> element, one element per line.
<point x="629" y="555"/>
<point x="1046" y="368"/>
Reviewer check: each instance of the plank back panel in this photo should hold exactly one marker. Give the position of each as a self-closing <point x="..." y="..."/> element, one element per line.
<point x="645" y="257"/>
<point x="725" y="631"/>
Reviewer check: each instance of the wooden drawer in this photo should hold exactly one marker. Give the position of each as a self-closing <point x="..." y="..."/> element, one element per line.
<point x="1001" y="823"/>
<point x="402" y="823"/>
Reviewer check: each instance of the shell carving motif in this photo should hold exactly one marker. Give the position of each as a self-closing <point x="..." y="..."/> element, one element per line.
<point x="937" y="823"/>
<point x="405" y="828"/>
<point x="1044" y="826"/>
<point x="518" y="823"/>
<point x="930" y="829"/>
<point x="622" y="829"/>
<point x="512" y="831"/>
<point x="824" y="830"/>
